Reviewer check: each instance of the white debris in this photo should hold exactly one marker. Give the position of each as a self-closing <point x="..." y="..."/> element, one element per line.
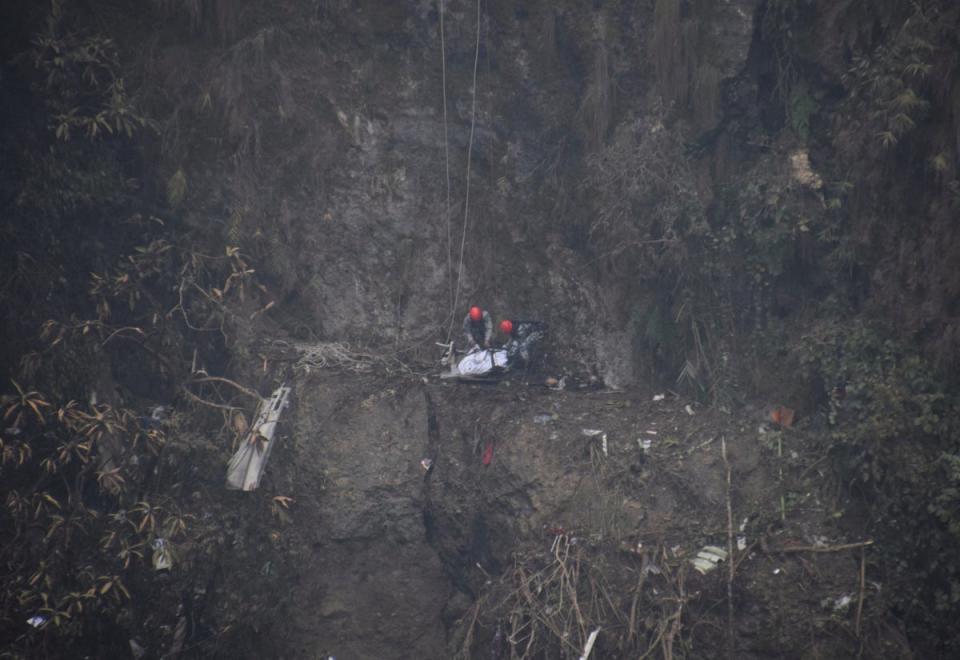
<point x="839" y="604"/>
<point x="649" y="432"/>
<point x="741" y="543"/>
<point x="708" y="558"/>
<point x="248" y="463"/>
<point x="659" y="397"/>
<point x="589" y="645"/>
<point x="688" y="409"/>
<point x="37" y="620"/>
<point x="426" y="464"/>
<point x="162" y="556"/>
<point x="593" y="433"/>
<point x="645" y="444"/>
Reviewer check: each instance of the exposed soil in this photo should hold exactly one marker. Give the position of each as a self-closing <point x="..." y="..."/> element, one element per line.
<point x="395" y="561"/>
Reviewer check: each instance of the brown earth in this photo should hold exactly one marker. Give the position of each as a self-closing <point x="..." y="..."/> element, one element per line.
<point x="393" y="561"/>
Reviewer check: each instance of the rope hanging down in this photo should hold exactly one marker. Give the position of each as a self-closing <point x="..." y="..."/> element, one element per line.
<point x="466" y="204"/>
<point x="446" y="156"/>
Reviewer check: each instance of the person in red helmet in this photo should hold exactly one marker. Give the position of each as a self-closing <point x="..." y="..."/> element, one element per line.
<point x="522" y="339"/>
<point x="478" y="327"/>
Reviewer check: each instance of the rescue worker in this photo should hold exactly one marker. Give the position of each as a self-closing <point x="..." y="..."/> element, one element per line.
<point x="478" y="327"/>
<point x="522" y="337"/>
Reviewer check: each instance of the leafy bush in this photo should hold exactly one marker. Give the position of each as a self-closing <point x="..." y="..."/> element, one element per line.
<point x="894" y="443"/>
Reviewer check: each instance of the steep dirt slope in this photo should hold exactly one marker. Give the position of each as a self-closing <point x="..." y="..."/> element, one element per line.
<point x="393" y="561"/>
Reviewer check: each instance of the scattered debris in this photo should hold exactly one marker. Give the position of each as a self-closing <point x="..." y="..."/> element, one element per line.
<point x="37" y="620"/>
<point x="782" y="416"/>
<point x="636" y="549"/>
<point x="650" y="432"/>
<point x="659" y="397"/>
<point x="159" y="414"/>
<point x="688" y="409"/>
<point x="162" y="555"/>
<point x="136" y="650"/>
<point x="248" y="463"/>
<point x="488" y="453"/>
<point x="593" y="433"/>
<point x="708" y="558"/>
<point x="588" y="647"/>
<point x="426" y="464"/>
<point x="645" y="444"/>
<point x="544" y="418"/>
<point x="839" y="604"/>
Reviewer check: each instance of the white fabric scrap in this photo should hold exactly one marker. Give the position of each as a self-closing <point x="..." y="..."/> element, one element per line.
<point x="481" y="362"/>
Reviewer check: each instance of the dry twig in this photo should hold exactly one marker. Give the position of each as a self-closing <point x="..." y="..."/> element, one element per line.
<point x="730" y="557"/>
<point x="863" y="585"/>
<point x="824" y="548"/>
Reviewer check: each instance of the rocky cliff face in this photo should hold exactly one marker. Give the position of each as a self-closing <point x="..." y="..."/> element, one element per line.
<point x="334" y="156"/>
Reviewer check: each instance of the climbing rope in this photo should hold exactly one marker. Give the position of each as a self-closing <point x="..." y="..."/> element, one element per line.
<point x="466" y="204"/>
<point x="446" y="159"/>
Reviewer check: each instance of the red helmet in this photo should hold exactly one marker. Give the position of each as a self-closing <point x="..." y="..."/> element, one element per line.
<point x="506" y="326"/>
<point x="475" y="314"/>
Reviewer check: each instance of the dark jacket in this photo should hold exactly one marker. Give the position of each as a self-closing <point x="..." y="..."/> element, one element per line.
<point x="523" y="340"/>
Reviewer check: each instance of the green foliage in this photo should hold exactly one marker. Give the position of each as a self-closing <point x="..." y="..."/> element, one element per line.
<point x="82" y="83"/>
<point x="886" y="83"/>
<point x="107" y="298"/>
<point x="880" y="392"/>
<point x="801" y="106"/>
<point x="946" y="505"/>
<point x="894" y="434"/>
<point x="65" y="559"/>
<point x="176" y="188"/>
<point x="783" y="26"/>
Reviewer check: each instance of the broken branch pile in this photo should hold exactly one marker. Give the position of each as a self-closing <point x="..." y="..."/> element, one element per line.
<point x="561" y="604"/>
<point x="308" y="356"/>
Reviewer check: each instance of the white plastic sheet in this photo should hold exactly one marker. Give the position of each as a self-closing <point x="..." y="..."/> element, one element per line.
<point x="480" y="362"/>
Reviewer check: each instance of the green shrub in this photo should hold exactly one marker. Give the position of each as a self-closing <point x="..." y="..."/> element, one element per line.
<point x="895" y="445"/>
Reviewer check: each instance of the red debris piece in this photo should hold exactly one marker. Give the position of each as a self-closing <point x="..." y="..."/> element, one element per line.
<point x="488" y="454"/>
